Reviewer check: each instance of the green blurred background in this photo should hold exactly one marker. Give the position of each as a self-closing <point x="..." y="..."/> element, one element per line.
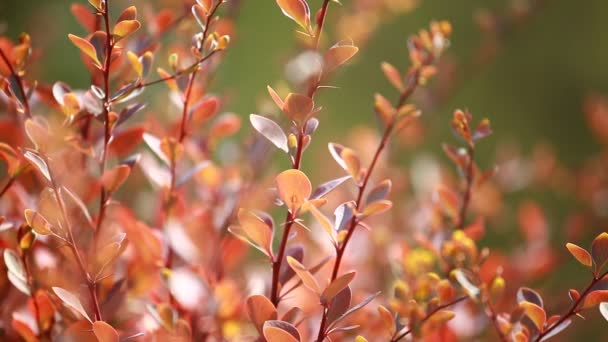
<point x="532" y="91"/>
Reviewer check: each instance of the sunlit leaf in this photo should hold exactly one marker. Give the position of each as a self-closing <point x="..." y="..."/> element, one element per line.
<point x="467" y="285"/>
<point x="387" y="319"/>
<point x="71" y="300"/>
<point x="297" y="106"/>
<point x="338" y="55"/>
<point x="38" y="223"/>
<point x="377" y="207"/>
<point x="14" y="265"/>
<point x="96" y="4"/>
<point x="529" y="295"/>
<point x="604" y="310"/>
<point x="125" y="28"/>
<point x="325" y="223"/>
<point x="279" y="331"/>
<point x="256" y="229"/>
<point x="294" y="188"/>
<point x="304" y="275"/>
<point x="270" y="130"/>
<point x="260" y="310"/>
<point x="393" y="75"/>
<point x="380" y="191"/>
<point x="104" y="332"/>
<point x="337" y="286"/>
<point x="563" y="325"/>
<point x="328" y="187"/>
<point x="580" y="254"/>
<point x="37" y="134"/>
<point x="130" y="13"/>
<point x="276" y="98"/>
<point x="154" y="144"/>
<point x="39" y="163"/>
<point x="596" y="297"/>
<point x="296" y="10"/>
<point x="536" y="314"/>
<point x="86" y="47"/>
<point x="11" y="158"/>
<point x="112" y="179"/>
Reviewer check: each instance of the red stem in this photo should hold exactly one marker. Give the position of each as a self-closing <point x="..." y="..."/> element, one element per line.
<point x="278" y="260"/>
<point x="104" y="198"/>
<point x="289" y="220"/>
<point x="353" y="223"/>
<point x="7" y="186"/>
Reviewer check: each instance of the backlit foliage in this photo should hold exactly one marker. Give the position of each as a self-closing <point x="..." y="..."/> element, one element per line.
<point x="124" y="217"/>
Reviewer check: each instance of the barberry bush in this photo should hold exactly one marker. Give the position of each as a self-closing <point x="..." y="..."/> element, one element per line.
<point x="138" y="207"/>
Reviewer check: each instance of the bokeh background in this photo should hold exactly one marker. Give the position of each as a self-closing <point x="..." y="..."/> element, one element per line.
<point x="532" y="86"/>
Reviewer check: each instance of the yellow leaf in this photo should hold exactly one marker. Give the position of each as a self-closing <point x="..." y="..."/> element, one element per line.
<point x="86" y="47"/>
<point x="125" y="28"/>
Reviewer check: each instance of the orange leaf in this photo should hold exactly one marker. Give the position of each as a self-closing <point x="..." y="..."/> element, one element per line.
<point x="112" y="179"/>
<point x="298" y="11"/>
<point x="279" y="331"/>
<point x="393" y="75"/>
<point x="336" y="286"/>
<point x="304" y="274"/>
<point x="294" y="188"/>
<point x="338" y="55"/>
<point x="104" y="332"/>
<point x="256" y="229"/>
<point x="387" y="319"/>
<point x="377" y="207"/>
<point x="325" y="223"/>
<point x="580" y="254"/>
<point x="38" y="223"/>
<point x="260" y="310"/>
<point x="297" y="107"/>
<point x="595" y="298"/>
<point x="10" y="157"/>
<point x="125" y="28"/>
<point x="536" y="314"/>
<point x="86" y="47"/>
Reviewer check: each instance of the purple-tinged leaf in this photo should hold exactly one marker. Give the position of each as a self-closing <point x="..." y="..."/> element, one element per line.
<point x="270" y="130"/>
<point x="328" y="187"/>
